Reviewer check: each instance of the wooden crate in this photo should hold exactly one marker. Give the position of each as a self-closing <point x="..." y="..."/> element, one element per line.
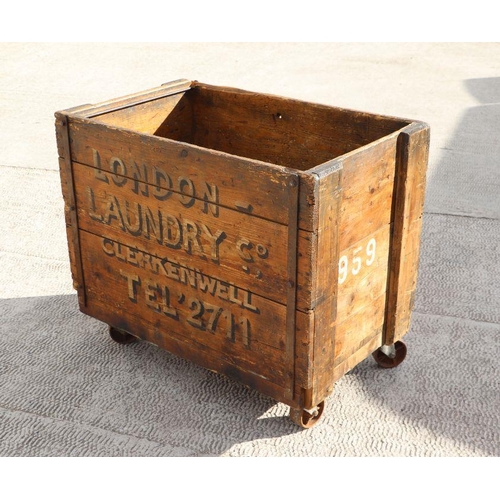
<point x="268" y="239"/>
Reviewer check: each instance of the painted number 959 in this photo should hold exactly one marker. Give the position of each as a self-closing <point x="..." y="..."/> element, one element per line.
<point x="359" y="259"/>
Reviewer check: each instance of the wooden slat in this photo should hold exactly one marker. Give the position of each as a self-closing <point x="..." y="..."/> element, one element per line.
<point x="189" y="349"/>
<point x="291" y="294"/>
<point x="304" y="359"/>
<point x="306" y="245"/>
<point x="71" y="216"/>
<point x="67" y="190"/>
<point x="308" y="201"/>
<point x="325" y="285"/>
<point x="372" y="344"/>
<point x="413" y="151"/>
<point x="170" y="88"/>
<point x="280" y="130"/>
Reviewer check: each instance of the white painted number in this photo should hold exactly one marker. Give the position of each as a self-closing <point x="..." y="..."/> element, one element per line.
<point x="343" y="269"/>
<point x="357" y="261"/>
<point x="370" y="251"/>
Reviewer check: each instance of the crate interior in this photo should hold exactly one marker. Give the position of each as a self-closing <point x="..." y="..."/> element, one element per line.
<point x="272" y="129"/>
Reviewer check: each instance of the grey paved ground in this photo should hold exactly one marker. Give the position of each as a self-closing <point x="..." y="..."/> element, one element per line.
<point x="67" y="390"/>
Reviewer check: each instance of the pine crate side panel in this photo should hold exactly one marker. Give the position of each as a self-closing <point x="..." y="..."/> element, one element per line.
<point x="184" y="269"/>
<point x="364" y="249"/>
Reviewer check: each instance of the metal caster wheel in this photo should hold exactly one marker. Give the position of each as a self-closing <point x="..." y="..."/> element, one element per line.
<point x="307" y="418"/>
<point x="121" y="337"/>
<point x="390" y="356"/>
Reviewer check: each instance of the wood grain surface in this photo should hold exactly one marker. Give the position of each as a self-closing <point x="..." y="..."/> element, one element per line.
<point x="271" y="240"/>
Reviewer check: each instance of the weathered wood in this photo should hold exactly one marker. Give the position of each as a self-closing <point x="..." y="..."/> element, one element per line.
<point x="304" y="360"/>
<point x="271" y="240"/>
<point x="325" y="285"/>
<point x="129" y="289"/>
<point x="189" y="349"/>
<point x="170" y="116"/>
<point x="358" y="329"/>
<point x="363" y="272"/>
<point x="409" y="194"/>
<point x="68" y="191"/>
<point x="280" y="130"/>
<point x="119" y="103"/>
<point x="247" y="185"/>
<point x="372" y="344"/>
<point x="291" y="294"/>
<point x="367" y="188"/>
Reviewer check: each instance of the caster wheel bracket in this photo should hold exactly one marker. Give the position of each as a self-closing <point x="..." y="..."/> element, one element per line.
<point x="121" y="337"/>
<point x="307" y="417"/>
<point x="390" y="356"/>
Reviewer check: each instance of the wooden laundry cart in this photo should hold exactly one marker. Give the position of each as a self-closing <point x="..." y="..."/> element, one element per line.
<point x="271" y="240"/>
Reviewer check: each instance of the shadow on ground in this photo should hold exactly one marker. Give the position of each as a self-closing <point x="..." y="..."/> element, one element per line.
<point x="466" y="180"/>
<point x="67" y="389"/>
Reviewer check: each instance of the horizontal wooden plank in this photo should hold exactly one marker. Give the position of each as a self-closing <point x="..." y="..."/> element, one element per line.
<point x="198" y="353"/>
<point x="242" y="184"/>
<point x="371" y="345"/>
<point x="118" y="103"/>
<point x="281" y="130"/>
